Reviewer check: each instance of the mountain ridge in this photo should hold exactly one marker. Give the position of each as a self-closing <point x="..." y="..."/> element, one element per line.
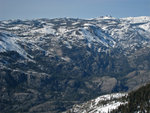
<point x="61" y="62"/>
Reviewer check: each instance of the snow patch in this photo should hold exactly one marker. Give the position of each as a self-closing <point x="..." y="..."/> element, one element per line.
<point x="66" y="58"/>
<point x="146" y="27"/>
<point x="44" y="30"/>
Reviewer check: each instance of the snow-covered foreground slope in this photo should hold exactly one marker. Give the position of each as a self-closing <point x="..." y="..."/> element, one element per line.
<point x="102" y="104"/>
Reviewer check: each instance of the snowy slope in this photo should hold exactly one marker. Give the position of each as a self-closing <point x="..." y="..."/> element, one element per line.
<point x="8" y="42"/>
<point x="102" y="104"/>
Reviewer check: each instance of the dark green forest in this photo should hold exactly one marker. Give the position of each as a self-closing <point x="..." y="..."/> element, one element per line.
<point x="138" y="101"/>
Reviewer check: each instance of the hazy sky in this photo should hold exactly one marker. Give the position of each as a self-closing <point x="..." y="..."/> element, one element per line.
<point x="31" y="9"/>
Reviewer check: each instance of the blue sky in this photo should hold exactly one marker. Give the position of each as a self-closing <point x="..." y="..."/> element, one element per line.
<point x="31" y="9"/>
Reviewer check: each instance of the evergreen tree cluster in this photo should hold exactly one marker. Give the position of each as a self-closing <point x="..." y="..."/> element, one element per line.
<point x="138" y="101"/>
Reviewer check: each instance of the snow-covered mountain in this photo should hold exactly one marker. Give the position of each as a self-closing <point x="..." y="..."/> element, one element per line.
<point x="103" y="33"/>
<point x="51" y="64"/>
